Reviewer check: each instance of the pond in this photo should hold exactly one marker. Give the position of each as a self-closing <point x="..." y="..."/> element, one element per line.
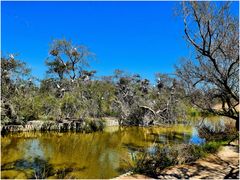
<point x="104" y="154"/>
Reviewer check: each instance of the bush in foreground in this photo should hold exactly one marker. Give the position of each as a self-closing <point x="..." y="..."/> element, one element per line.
<point x="165" y="156"/>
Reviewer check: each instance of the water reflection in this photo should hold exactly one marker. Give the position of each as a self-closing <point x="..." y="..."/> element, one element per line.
<point x="77" y="155"/>
<point x="195" y="137"/>
<point x="33" y="150"/>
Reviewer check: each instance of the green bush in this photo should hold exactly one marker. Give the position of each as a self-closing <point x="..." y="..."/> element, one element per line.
<point x="152" y="164"/>
<point x="193" y="112"/>
<point x="212" y="147"/>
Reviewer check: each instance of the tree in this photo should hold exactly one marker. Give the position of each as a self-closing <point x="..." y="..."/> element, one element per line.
<point x="67" y="60"/>
<point x="14" y="74"/>
<point x="169" y="97"/>
<point x="212" y="79"/>
<point x="12" y="71"/>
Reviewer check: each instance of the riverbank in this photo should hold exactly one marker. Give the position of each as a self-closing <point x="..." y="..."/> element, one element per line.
<point x="77" y="125"/>
<point x="222" y="165"/>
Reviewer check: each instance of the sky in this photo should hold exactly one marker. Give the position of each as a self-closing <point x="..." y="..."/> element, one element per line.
<point x="137" y="37"/>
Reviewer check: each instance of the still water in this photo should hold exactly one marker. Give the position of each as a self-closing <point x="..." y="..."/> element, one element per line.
<point x="104" y="154"/>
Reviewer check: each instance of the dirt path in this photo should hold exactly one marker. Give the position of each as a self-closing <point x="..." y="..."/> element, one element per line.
<point x="133" y="176"/>
<point x="222" y="165"/>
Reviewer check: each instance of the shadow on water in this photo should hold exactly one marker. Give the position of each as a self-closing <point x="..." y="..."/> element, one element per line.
<point x="39" y="168"/>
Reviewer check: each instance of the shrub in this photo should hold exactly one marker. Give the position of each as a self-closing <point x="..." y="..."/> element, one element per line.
<point x="69" y="105"/>
<point x="193" y="112"/>
<point x="211" y="147"/>
<point x="152" y="164"/>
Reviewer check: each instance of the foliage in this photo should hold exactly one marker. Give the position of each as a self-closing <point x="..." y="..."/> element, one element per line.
<point x="165" y="156"/>
<point x="67" y="59"/>
<point x="170" y="155"/>
<point x="139" y="103"/>
<point x="212" y="146"/>
<point x="129" y="97"/>
<point x="193" y="112"/>
<point x="13" y="71"/>
<point x="14" y="74"/>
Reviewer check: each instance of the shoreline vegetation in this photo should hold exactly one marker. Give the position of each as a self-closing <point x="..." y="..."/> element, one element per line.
<point x="221" y="150"/>
<point x="88" y="125"/>
<point x="156" y="165"/>
<point x="222" y="164"/>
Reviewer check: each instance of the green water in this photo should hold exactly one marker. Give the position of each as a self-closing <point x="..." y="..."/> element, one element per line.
<point x="104" y="154"/>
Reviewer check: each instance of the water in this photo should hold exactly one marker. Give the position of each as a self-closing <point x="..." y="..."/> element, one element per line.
<point x="104" y="154"/>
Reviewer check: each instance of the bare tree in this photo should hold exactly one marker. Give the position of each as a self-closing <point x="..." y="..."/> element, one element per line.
<point x="213" y="78"/>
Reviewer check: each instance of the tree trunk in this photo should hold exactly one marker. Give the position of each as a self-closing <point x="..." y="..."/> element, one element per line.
<point x="237" y="124"/>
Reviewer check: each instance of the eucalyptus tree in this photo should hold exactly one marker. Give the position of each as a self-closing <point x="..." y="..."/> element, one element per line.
<point x="12" y="71"/>
<point x="14" y="78"/>
<point x="68" y="60"/>
<point x="132" y="98"/>
<point x="169" y="98"/>
<point x="67" y="63"/>
<point x="213" y="77"/>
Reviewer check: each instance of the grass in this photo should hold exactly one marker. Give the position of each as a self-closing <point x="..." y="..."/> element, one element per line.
<point x="212" y="146"/>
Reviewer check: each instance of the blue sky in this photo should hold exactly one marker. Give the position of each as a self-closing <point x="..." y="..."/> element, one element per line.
<point x="138" y="37"/>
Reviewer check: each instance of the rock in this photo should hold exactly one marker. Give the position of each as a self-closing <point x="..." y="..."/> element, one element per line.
<point x="35" y="125"/>
<point x="96" y="125"/>
<point x="54" y="127"/>
<point x="111" y="121"/>
<point x="12" y="128"/>
<point x="64" y="126"/>
<point x="49" y="125"/>
<point x="61" y="126"/>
